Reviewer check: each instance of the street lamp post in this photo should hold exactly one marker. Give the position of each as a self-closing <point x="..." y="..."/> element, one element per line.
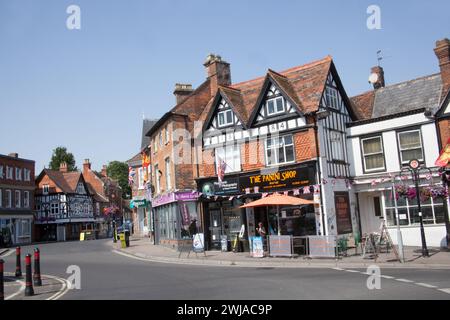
<point x="399" y="232"/>
<point x="415" y="170"/>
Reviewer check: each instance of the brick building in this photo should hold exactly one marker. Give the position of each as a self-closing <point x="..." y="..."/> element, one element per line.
<point x="16" y="200"/>
<point x="172" y="160"/>
<point x="264" y="136"/>
<point x="107" y="194"/>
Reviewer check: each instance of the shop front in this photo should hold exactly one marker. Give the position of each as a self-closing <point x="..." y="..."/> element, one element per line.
<point x="225" y="219"/>
<point x="142" y="224"/>
<point x="175" y="218"/>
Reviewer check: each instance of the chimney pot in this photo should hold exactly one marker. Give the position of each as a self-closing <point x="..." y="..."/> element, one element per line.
<point x="14" y="155"/>
<point x="442" y="51"/>
<point x="86" y="165"/>
<point x="217" y="71"/>
<point x="379" y="83"/>
<point x="182" y="90"/>
<point x="63" y="167"/>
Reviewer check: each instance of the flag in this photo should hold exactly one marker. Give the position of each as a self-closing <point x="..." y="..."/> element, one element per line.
<point x="306" y="190"/>
<point x="444" y="156"/>
<point x="131" y="174"/>
<point x="221" y="166"/>
<point x="145" y="160"/>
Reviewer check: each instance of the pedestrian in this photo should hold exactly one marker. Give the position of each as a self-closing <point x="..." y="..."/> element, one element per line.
<point x="193" y="227"/>
<point x="261" y="230"/>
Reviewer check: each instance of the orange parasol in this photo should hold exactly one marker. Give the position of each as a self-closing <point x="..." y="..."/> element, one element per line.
<point x="277" y="200"/>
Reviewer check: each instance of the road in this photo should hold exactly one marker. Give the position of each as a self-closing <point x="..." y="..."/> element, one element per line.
<point x="107" y="275"/>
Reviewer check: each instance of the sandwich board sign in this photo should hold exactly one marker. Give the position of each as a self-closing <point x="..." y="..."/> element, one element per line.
<point x="257" y="247"/>
<point x="198" y="243"/>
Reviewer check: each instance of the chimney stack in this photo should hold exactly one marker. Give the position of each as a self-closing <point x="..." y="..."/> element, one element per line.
<point x="13" y="155"/>
<point x="182" y="90"/>
<point x="442" y="52"/>
<point x="377" y="77"/>
<point x="86" y="165"/>
<point x="63" y="167"/>
<point x="104" y="173"/>
<point x="218" y="72"/>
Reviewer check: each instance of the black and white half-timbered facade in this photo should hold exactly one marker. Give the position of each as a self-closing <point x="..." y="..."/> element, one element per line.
<point x="64" y="205"/>
<point x="266" y="136"/>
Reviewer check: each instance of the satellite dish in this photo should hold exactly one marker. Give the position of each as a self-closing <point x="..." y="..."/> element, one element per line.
<point x="373" y="78"/>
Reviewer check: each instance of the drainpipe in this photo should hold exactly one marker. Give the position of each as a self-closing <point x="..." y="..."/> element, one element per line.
<point x="319" y="173"/>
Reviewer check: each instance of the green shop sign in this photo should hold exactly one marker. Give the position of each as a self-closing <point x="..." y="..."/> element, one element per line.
<point x="139" y="203"/>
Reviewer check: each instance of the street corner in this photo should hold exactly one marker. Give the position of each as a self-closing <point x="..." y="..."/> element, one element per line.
<point x="52" y="288"/>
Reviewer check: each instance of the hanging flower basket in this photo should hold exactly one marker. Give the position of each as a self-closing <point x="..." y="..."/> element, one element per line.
<point x="401" y="191"/>
<point x="439" y="192"/>
<point x="425" y="193"/>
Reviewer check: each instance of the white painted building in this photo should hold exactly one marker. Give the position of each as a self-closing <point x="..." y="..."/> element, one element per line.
<point x="395" y="131"/>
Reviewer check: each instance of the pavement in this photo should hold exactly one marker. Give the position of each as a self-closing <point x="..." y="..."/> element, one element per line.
<point x="142" y="248"/>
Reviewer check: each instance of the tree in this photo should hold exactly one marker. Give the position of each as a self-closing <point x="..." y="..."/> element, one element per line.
<point x="119" y="171"/>
<point x="61" y="155"/>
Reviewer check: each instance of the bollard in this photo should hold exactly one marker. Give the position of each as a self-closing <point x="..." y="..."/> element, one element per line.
<point x="18" y="266"/>
<point x="28" y="277"/>
<point x="2" y="287"/>
<point x="37" y="268"/>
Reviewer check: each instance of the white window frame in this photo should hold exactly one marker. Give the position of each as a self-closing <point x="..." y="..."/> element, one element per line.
<point x="232" y="157"/>
<point x="24" y="228"/>
<point x="45" y="189"/>
<point x="8" y="203"/>
<point x="337" y="145"/>
<point x="141" y="178"/>
<point x="160" y="139"/>
<point x="225" y="123"/>
<point x="157" y="179"/>
<point x="276" y="111"/>
<point x="54" y="208"/>
<point x="9" y="173"/>
<point x="167" y="134"/>
<point x="19" y="174"/>
<point x="168" y="175"/>
<point x="400" y="147"/>
<point x="276" y="163"/>
<point x="363" y="155"/>
<point x="26" y="199"/>
<point x="332" y="97"/>
<point x="26" y="174"/>
<point x="17" y="199"/>
<point x="1" y="172"/>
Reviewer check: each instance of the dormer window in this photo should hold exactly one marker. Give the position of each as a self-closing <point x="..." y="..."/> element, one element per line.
<point x="275" y="106"/>
<point x="225" y="118"/>
<point x="45" y="189"/>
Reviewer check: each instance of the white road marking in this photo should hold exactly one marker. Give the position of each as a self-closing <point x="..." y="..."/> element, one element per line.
<point x="354" y="271"/>
<point x="426" y="285"/>
<point x="387" y="277"/>
<point x="405" y="280"/>
<point x="338" y="269"/>
<point x="64" y="288"/>
<point x="7" y="254"/>
<point x="445" y="290"/>
<point x="22" y="288"/>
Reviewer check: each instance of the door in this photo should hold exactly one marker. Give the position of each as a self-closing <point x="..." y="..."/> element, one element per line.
<point x="215" y="228"/>
<point x="61" y="233"/>
<point x="372" y="213"/>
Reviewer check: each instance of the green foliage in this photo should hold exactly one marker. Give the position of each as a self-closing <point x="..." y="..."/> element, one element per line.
<point x="60" y="155"/>
<point x="119" y="171"/>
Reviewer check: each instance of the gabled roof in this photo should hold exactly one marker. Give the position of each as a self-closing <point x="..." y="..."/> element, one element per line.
<point x="420" y="93"/>
<point x="303" y="84"/>
<point x="445" y="102"/>
<point x="66" y="181"/>
<point x="135" y="161"/>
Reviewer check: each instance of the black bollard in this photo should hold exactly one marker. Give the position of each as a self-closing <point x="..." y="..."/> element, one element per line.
<point x="2" y="287"/>
<point x="18" y="266"/>
<point x="28" y="277"/>
<point x="37" y="268"/>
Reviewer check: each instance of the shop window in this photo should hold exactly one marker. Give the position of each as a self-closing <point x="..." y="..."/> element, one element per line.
<point x="372" y="153"/>
<point x="433" y="211"/>
<point x="279" y="150"/>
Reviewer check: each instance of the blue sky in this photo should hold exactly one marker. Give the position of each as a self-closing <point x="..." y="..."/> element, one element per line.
<point x="87" y="89"/>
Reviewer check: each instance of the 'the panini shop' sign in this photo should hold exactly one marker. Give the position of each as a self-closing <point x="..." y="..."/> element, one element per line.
<point x="282" y="179"/>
